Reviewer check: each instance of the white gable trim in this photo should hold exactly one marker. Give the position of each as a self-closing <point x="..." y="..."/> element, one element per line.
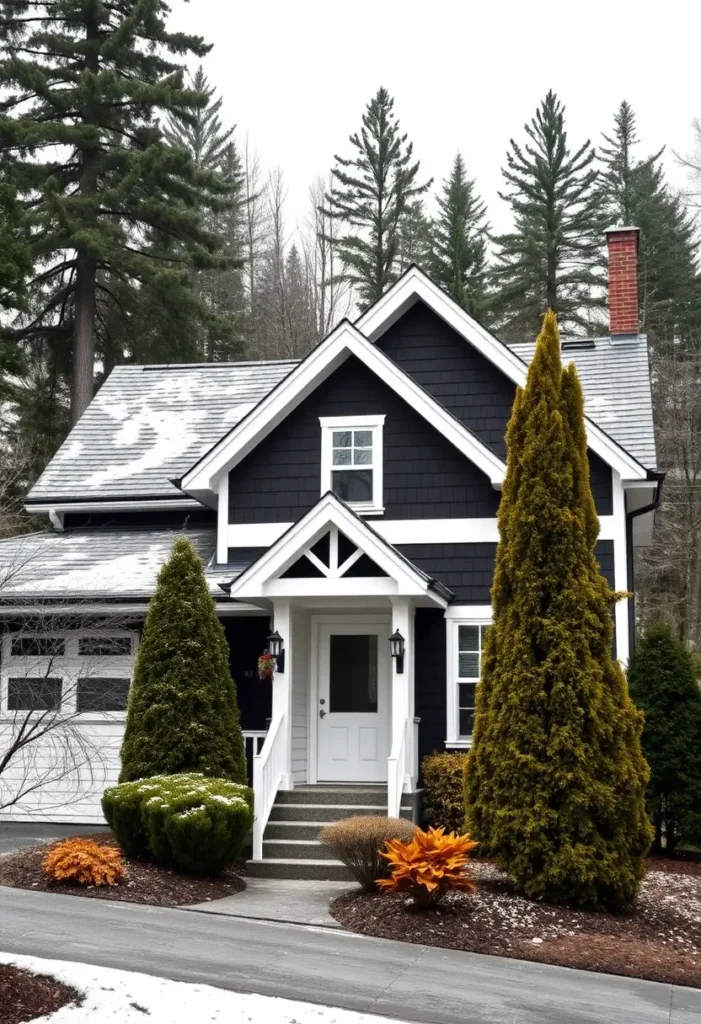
<point x="345" y="340"/>
<point x="262" y="579"/>
<point x="414" y="286"/>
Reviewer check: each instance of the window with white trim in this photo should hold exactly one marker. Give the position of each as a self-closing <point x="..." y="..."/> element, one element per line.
<point x="351" y="460"/>
<point x="465" y="646"/>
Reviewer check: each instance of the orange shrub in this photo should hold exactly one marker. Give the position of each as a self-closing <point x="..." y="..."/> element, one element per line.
<point x="428" y="865"/>
<point x="82" y="860"/>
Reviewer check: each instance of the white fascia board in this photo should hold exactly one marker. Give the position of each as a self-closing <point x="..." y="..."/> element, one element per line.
<point x="130" y="505"/>
<point x="481" y="613"/>
<point x="415" y="286"/>
<point x="345" y="340"/>
<point x="328" y="511"/>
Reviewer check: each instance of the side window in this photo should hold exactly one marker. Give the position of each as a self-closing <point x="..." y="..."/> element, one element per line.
<point x="466" y="643"/>
<point x="351" y="461"/>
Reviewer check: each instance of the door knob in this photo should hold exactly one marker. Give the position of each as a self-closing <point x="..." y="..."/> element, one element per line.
<point x="322" y="713"/>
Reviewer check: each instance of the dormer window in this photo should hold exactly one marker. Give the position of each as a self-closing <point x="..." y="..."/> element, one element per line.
<point x="351" y="461"/>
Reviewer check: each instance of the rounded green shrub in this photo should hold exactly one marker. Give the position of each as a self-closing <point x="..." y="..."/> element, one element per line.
<point x="186" y="821"/>
<point x="444" y="803"/>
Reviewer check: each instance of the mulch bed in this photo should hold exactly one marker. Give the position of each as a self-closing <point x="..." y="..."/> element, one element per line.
<point x="26" y="996"/>
<point x="660" y="940"/>
<point x="143" y="882"/>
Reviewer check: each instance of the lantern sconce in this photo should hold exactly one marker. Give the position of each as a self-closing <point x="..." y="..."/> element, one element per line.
<point x="396" y="649"/>
<point x="276" y="647"/>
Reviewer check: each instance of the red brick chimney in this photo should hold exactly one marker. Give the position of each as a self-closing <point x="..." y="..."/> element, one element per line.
<point x="623" y="280"/>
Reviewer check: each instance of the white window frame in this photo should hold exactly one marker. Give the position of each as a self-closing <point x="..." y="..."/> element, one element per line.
<point x="69" y="668"/>
<point x="375" y="424"/>
<point x="456" y="617"/>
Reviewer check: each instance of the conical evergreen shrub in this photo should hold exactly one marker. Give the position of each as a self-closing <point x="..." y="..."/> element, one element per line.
<point x="555" y="777"/>
<point x="183" y="714"/>
<point x="663" y="685"/>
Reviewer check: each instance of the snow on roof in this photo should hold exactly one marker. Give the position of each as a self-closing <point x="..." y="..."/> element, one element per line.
<point x="616" y="382"/>
<point x="109" y="563"/>
<point x="148" y="424"/>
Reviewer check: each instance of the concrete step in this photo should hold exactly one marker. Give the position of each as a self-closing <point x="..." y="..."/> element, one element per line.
<point x="295" y="849"/>
<point x="294" y="830"/>
<point x="367" y="795"/>
<point x="319" y="812"/>
<point x="317" y="870"/>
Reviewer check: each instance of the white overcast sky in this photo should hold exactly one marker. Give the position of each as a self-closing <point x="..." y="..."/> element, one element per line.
<point x="296" y="76"/>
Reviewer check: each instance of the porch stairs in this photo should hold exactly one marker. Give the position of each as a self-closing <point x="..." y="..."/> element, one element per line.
<point x="291" y="847"/>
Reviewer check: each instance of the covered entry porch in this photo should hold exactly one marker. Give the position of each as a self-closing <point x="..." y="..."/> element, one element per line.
<point x="342" y="603"/>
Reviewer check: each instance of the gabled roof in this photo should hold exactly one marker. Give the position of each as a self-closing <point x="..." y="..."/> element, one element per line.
<point x="148" y="424"/>
<point x="344" y="341"/>
<point x="265" y="577"/>
<point x="414" y="286"/>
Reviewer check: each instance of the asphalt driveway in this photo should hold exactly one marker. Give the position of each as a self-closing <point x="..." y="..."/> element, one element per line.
<point x="15" y="835"/>
<point x="330" y="966"/>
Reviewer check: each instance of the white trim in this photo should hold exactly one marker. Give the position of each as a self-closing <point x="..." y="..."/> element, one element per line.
<point x="262" y="578"/>
<point x="373" y="424"/>
<point x="223" y="520"/>
<point x="400" y="531"/>
<point x="414" y="286"/>
<point x="132" y="505"/>
<point x="344" y="341"/>
<point x="460" y="615"/>
<point x="620" y="569"/>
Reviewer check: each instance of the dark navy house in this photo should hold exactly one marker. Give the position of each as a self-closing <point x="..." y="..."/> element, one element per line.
<point x="347" y="502"/>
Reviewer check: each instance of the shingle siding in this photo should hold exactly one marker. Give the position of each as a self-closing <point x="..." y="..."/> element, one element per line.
<point x="466" y="569"/>
<point x="430" y="679"/>
<point x="425" y="477"/>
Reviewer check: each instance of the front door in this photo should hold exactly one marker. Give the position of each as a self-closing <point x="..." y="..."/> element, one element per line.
<point x="353" y="703"/>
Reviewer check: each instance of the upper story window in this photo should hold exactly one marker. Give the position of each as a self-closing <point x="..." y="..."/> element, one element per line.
<point x="465" y="646"/>
<point x="351" y="460"/>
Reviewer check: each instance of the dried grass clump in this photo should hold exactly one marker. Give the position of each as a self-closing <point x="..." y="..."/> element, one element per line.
<point x="83" y="861"/>
<point x="428" y="865"/>
<point x="358" y="842"/>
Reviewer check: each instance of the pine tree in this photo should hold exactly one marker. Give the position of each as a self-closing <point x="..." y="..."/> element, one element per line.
<point x="460" y="233"/>
<point x="83" y="84"/>
<point x="415" y="238"/>
<point x="372" y="191"/>
<point x="183" y="714"/>
<point x="634" y="191"/>
<point x="663" y="685"/>
<point x="552" y="259"/>
<point x="555" y="777"/>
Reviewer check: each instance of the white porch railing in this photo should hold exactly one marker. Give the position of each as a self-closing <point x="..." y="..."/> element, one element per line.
<point x="268" y="768"/>
<point x="253" y="740"/>
<point x="396" y="764"/>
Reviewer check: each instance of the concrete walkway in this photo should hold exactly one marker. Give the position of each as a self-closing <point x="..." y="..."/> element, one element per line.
<point x="283" y="900"/>
<point x="331" y="967"/>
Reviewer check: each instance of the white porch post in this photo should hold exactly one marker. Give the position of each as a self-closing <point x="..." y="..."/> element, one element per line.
<point x="401" y="759"/>
<point x="282" y="687"/>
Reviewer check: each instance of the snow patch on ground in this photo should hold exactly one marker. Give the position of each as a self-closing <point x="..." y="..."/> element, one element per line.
<point x="123" y="997"/>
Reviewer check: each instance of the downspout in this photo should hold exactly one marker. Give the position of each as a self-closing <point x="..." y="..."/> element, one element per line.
<point x="630" y="516"/>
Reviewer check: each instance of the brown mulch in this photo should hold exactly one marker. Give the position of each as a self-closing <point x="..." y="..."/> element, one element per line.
<point x="660" y="940"/>
<point x="26" y="996"/>
<point x="143" y="882"/>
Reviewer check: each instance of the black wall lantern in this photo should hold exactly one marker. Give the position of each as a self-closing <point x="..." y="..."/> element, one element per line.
<point x="277" y="649"/>
<point x="396" y="649"/>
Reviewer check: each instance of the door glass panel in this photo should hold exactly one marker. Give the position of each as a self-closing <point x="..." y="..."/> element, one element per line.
<point x="353" y="673"/>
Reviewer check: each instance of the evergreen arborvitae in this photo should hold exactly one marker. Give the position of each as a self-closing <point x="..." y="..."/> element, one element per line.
<point x="663" y="685"/>
<point x="552" y="259"/>
<point x="183" y="714"/>
<point x="83" y="85"/>
<point x="460" y="240"/>
<point x="556" y="777"/>
<point x="371" y="192"/>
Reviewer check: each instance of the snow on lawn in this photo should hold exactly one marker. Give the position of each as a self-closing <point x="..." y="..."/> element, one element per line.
<point x="123" y="997"/>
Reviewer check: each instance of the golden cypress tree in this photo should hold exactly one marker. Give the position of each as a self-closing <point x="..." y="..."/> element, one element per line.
<point x="556" y="778"/>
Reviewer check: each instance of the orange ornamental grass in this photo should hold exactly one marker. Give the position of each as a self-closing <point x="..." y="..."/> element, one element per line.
<point x="83" y="861"/>
<point x="428" y="865"/>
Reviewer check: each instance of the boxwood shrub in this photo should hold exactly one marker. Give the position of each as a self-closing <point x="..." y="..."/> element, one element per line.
<point x="187" y="821"/>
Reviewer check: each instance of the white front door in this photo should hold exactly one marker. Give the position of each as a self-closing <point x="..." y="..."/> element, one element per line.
<point x="353" y="702"/>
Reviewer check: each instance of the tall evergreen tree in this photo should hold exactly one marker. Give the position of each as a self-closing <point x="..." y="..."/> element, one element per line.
<point x="556" y="777"/>
<point x="372" y="191"/>
<point x="552" y="259"/>
<point x="183" y="714"/>
<point x="663" y="685"/>
<point x="635" y="192"/>
<point x="415" y="238"/>
<point x="83" y="84"/>
<point x="460" y="240"/>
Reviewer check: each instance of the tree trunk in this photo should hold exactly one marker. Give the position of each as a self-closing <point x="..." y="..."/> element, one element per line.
<point x="83" y="337"/>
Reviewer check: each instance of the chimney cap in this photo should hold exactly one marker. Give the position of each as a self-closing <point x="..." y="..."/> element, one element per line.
<point x="620" y="229"/>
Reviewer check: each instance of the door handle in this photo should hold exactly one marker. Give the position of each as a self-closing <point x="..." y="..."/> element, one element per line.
<point x="322" y="713"/>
